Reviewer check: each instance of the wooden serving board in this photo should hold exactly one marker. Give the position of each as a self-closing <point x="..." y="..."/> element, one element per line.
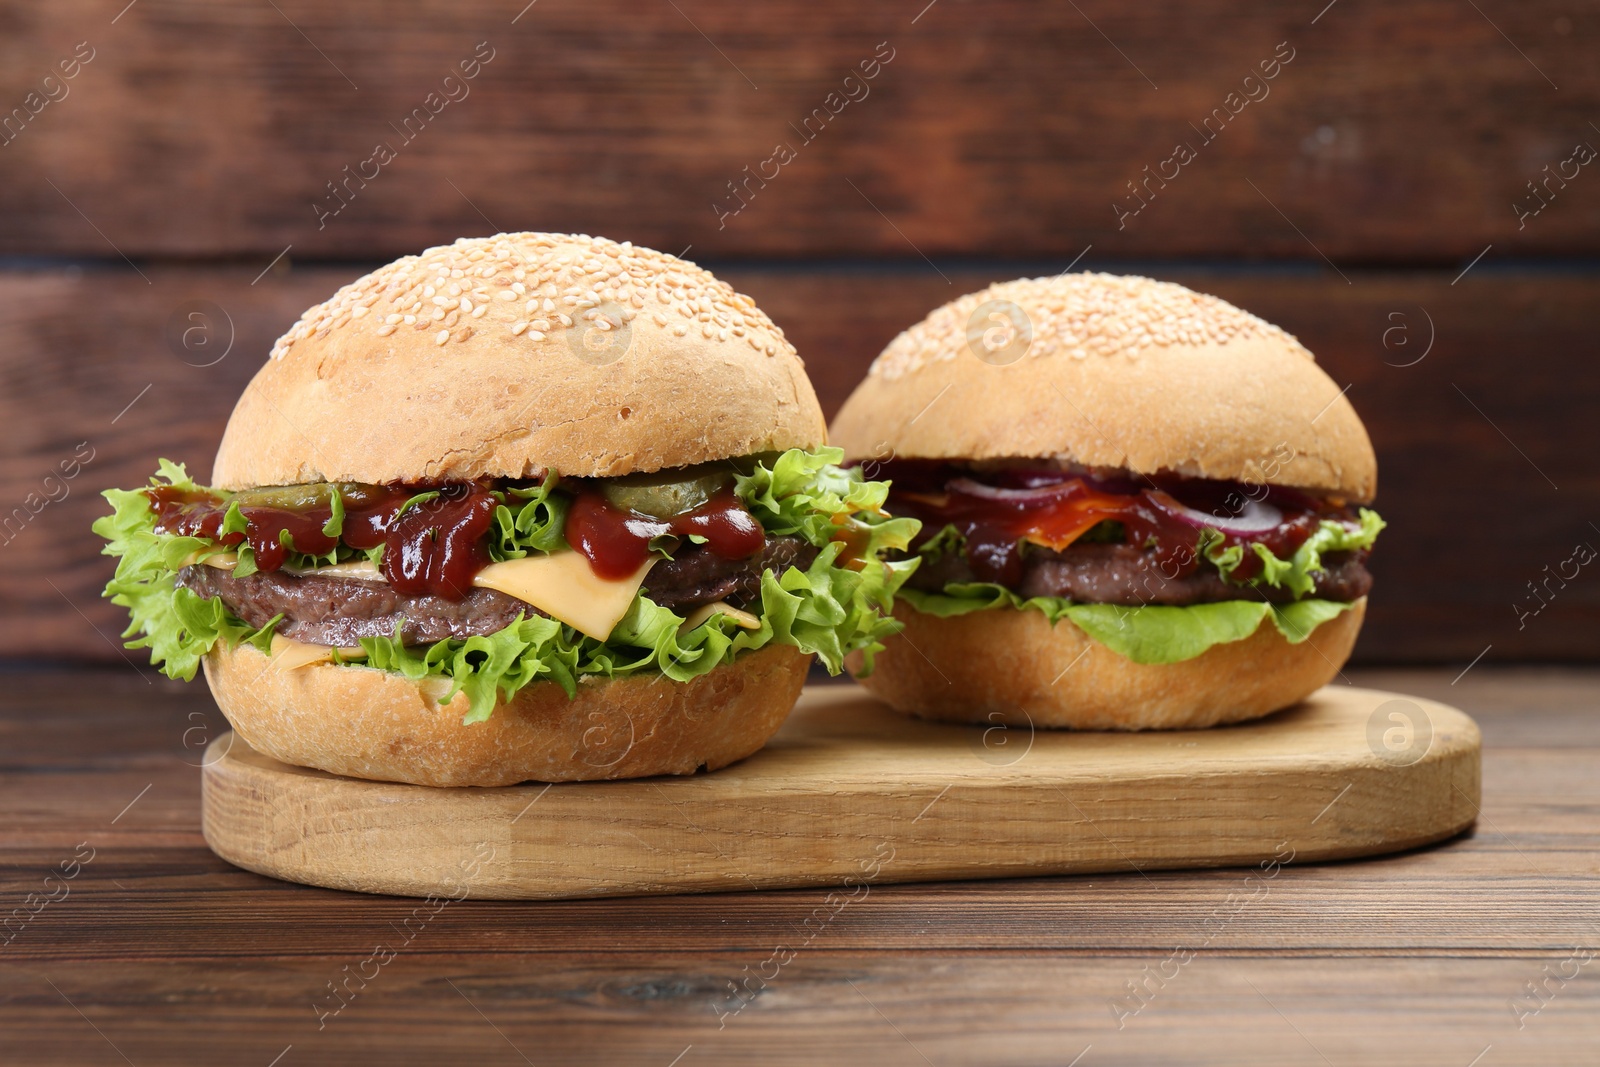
<point x="850" y="792"/>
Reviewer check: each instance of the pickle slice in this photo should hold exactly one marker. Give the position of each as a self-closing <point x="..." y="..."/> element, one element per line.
<point x="303" y="497"/>
<point x="664" y="494"/>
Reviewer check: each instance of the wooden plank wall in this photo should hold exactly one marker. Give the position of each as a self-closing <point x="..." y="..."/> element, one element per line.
<point x="185" y="165"/>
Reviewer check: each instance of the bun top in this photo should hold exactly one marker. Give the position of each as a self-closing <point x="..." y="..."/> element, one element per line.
<point x="509" y="355"/>
<point x="1110" y="372"/>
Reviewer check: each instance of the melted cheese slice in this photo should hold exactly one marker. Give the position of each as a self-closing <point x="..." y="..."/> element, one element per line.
<point x="565" y="587"/>
<point x="364" y="569"/>
<point x="719" y="607"/>
<point x="288" y="654"/>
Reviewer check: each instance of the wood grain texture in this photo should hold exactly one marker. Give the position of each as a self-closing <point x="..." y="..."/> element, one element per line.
<point x="850" y="794"/>
<point x="825" y="1007"/>
<point x="1394" y="134"/>
<point x="1466" y="437"/>
<point x="176" y="957"/>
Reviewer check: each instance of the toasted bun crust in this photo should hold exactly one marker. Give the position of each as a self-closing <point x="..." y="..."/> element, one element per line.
<point x="525" y="352"/>
<point x="1110" y="372"/>
<point x="1010" y="665"/>
<point x="367" y="723"/>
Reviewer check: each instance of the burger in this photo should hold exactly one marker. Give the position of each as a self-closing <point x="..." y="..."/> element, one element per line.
<point x="527" y="507"/>
<point x="1141" y="507"/>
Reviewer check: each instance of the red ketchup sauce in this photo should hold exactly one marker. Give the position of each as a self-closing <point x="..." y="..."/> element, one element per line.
<point x="1062" y="507"/>
<point x="617" y="542"/>
<point x="200" y="514"/>
<point x="433" y="549"/>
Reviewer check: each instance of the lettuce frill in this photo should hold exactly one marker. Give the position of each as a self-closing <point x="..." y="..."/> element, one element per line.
<point x="1165" y="633"/>
<point x="838" y="605"/>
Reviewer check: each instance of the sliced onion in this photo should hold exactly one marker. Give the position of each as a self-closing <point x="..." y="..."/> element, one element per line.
<point x="1031" y="477"/>
<point x="1257" y="516"/>
<point x="1013" y="496"/>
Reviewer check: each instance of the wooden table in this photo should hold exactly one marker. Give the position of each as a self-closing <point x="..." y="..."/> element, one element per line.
<point x="1478" y="951"/>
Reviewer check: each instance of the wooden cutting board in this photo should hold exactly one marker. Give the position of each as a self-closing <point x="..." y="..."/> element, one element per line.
<point x="850" y="792"/>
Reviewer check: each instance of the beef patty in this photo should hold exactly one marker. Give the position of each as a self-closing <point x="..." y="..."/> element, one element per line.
<point x="1130" y="575"/>
<point x="338" y="611"/>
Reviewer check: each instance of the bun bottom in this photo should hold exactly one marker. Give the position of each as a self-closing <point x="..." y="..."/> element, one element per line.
<point x="366" y="723"/>
<point x="1006" y="665"/>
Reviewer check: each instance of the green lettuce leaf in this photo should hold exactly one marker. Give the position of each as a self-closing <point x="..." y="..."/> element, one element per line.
<point x="529" y="520"/>
<point x="838" y="605"/>
<point x="825" y="610"/>
<point x="1152" y="633"/>
<point x="947" y="540"/>
<point x="1295" y="573"/>
<point x="177" y="626"/>
<point x="809" y="494"/>
<point x="1162" y="633"/>
<point x="335" y="524"/>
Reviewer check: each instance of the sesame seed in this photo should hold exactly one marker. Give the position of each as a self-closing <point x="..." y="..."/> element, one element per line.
<point x="518" y="327"/>
<point x="1080" y="315"/>
<point x="442" y="336"/>
<point x="603" y="281"/>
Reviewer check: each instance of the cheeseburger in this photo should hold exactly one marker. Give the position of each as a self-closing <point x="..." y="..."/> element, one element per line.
<point x="1141" y="507"/>
<point x="532" y="506"/>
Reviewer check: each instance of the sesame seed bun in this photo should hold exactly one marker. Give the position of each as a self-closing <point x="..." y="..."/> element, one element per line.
<point x="1110" y="372"/>
<point x="367" y="723"/>
<point x="510" y="356"/>
<point x="1011" y="666"/>
<point x="525" y="352"/>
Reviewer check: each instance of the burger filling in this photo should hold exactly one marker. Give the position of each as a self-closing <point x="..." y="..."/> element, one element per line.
<point x="1159" y="569"/>
<point x="495" y="584"/>
<point x="330" y="610"/>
